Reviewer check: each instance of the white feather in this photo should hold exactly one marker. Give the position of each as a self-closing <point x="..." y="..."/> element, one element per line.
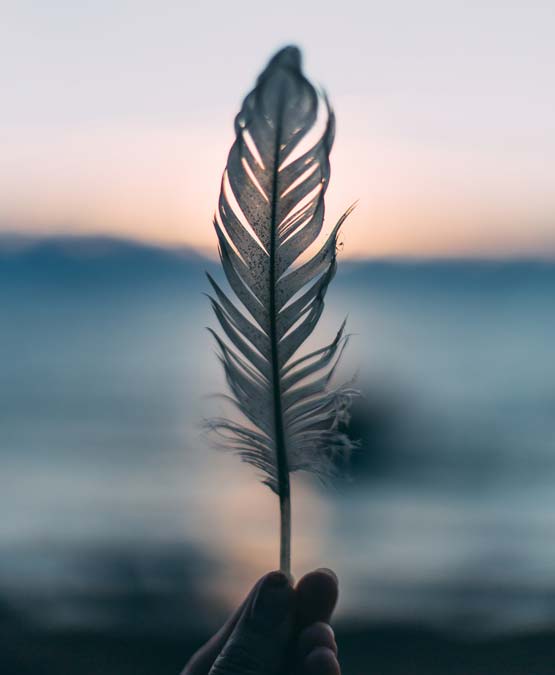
<point x="271" y="209"/>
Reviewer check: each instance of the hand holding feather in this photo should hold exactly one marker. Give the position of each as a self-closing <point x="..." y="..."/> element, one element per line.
<point x="276" y="630"/>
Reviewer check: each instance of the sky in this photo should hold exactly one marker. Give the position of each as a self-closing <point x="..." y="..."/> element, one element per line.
<point x="116" y="118"/>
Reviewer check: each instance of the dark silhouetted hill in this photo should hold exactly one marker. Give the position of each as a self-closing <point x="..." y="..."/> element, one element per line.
<point x="84" y="260"/>
<point x="94" y="260"/>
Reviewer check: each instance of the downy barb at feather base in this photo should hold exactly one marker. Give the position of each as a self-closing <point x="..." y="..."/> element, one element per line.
<point x="270" y="211"/>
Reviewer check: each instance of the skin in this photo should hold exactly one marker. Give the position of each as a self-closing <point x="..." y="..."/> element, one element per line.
<point x="279" y="629"/>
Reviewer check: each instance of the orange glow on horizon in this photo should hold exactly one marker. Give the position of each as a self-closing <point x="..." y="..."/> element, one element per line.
<point x="161" y="186"/>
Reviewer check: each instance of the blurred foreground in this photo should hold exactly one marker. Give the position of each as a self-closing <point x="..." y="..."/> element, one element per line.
<point x="379" y="650"/>
<point x="125" y="540"/>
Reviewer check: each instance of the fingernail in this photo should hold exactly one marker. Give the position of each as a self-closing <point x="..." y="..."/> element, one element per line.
<point x="272" y="603"/>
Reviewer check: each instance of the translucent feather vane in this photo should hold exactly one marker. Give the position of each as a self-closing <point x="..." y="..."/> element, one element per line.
<point x="270" y="211"/>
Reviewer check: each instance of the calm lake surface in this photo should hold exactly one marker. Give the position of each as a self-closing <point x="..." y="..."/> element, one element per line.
<point x="107" y="483"/>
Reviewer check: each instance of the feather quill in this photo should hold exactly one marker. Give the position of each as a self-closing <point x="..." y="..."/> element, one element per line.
<point x="271" y="209"/>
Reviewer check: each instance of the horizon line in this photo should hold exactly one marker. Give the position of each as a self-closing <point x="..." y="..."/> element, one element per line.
<point x="18" y="241"/>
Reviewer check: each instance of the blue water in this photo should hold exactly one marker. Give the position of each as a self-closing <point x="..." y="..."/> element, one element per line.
<point x="106" y="372"/>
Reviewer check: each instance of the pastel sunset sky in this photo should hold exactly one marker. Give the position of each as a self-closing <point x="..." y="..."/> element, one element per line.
<point x="116" y="117"/>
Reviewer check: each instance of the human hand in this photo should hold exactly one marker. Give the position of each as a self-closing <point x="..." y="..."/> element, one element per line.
<point x="277" y="630"/>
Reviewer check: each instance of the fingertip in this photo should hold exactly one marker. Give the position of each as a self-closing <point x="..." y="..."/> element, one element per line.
<point x="322" y="661"/>
<point x="273" y="603"/>
<point x="330" y="572"/>
<point x="277" y="576"/>
<point x="322" y="579"/>
<point x="317" y="594"/>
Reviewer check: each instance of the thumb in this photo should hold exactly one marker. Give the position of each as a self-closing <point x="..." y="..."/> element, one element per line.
<point x="260" y="642"/>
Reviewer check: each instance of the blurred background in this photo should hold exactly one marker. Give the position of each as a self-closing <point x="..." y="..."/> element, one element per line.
<point x="124" y="538"/>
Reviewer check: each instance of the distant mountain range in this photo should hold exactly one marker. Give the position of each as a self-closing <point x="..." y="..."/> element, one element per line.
<point x="98" y="260"/>
<point x="102" y="260"/>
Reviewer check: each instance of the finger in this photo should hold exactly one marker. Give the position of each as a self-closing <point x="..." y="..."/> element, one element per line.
<point x="318" y="634"/>
<point x="203" y="659"/>
<point x="316" y="597"/>
<point x="261" y="639"/>
<point x="321" y="661"/>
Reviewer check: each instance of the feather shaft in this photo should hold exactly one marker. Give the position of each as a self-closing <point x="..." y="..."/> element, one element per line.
<point x="284" y="485"/>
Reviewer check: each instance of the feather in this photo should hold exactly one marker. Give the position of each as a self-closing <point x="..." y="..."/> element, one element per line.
<point x="271" y="209"/>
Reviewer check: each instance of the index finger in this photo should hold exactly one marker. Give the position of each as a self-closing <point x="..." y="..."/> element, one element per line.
<point x="202" y="660"/>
